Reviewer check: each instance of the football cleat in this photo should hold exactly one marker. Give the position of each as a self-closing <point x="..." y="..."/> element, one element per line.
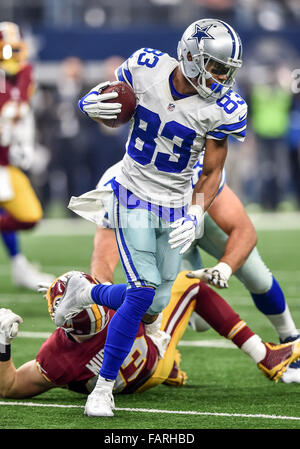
<point x="25" y="274"/>
<point x="75" y="298"/>
<point x="89" y="321"/>
<point x="100" y="401"/>
<point x="277" y="358"/>
<point x="292" y="373"/>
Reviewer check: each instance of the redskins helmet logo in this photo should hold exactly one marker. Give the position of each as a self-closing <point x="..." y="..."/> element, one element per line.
<point x="89" y="321"/>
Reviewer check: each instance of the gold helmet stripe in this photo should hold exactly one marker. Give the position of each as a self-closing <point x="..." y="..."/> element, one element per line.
<point x="98" y="317"/>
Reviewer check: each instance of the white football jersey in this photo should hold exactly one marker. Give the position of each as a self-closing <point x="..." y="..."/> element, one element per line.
<point x="166" y="136"/>
<point x="106" y="180"/>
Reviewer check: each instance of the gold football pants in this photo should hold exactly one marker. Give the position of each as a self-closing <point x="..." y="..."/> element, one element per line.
<point x="175" y="320"/>
<point x="24" y="206"/>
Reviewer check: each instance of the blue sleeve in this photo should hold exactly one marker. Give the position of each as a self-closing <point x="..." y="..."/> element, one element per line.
<point x="111" y="296"/>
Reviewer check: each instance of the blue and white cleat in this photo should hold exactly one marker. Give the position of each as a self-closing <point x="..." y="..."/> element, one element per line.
<point x="292" y="373"/>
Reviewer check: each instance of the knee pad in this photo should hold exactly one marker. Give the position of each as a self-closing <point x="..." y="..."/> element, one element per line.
<point x="137" y="302"/>
<point x="255" y="275"/>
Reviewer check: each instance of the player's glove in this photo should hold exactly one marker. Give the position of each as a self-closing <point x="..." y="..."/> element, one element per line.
<point x="217" y="276"/>
<point x="43" y="288"/>
<point x="187" y="229"/>
<point x="9" y="326"/>
<point x="21" y="155"/>
<point x="94" y="106"/>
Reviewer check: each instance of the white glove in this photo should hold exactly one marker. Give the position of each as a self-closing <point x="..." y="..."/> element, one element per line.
<point x="43" y="288"/>
<point x="187" y="229"/>
<point x="9" y="326"/>
<point x="93" y="104"/>
<point x="217" y="276"/>
<point x="21" y="155"/>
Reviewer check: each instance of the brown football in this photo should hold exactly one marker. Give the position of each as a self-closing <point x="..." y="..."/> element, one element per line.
<point x="126" y="97"/>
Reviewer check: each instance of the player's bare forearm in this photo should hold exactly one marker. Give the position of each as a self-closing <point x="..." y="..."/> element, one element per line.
<point x="7" y="377"/>
<point x="23" y="382"/>
<point x="105" y="256"/>
<point x="229" y="214"/>
<point x="207" y="187"/>
<point x="238" y="248"/>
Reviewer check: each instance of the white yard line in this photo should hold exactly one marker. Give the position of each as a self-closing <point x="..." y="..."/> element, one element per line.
<point x="157" y="411"/>
<point x="65" y="226"/>
<point x="217" y="343"/>
<point x="208" y="344"/>
<point x="26" y="334"/>
<point x="69" y="226"/>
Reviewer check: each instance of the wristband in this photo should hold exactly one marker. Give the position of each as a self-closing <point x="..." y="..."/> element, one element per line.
<point x="224" y="269"/>
<point x="5" y="352"/>
<point x="197" y="211"/>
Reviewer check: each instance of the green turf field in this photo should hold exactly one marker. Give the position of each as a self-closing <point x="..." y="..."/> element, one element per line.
<point x="225" y="389"/>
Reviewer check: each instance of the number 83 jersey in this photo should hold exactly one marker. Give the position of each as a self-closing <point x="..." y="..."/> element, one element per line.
<point x="167" y="135"/>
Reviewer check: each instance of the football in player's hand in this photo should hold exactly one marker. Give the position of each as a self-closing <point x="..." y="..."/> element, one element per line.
<point x="127" y="99"/>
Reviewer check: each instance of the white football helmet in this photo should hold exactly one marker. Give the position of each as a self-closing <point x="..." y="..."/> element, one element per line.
<point x="208" y="47"/>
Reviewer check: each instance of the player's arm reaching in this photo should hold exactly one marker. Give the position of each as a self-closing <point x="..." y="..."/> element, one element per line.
<point x="25" y="381"/>
<point x="229" y="214"/>
<point x="105" y="256"/>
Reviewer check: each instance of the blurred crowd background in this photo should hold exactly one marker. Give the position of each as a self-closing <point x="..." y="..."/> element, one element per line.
<point x="75" y="44"/>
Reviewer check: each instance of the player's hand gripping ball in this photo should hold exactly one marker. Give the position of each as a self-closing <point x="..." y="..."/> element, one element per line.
<point x="89" y="321"/>
<point x="126" y="97"/>
<point x="113" y="104"/>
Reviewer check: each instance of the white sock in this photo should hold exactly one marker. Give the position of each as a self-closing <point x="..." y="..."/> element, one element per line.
<point x="17" y="258"/>
<point x="255" y="348"/>
<point x="105" y="382"/>
<point x="284" y="324"/>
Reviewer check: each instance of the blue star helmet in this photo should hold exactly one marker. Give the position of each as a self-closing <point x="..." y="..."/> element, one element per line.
<point x="210" y="47"/>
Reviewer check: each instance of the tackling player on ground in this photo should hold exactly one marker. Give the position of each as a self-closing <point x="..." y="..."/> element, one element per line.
<point x="20" y="208"/>
<point x="72" y="356"/>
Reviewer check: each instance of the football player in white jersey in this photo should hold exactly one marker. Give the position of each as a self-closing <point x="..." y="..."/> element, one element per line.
<point x="183" y="107"/>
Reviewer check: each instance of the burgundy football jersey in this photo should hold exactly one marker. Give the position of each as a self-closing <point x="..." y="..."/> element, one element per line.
<point x="16" y="95"/>
<point x="66" y="362"/>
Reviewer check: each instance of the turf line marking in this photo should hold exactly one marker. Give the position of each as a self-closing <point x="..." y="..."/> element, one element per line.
<point x="192" y="343"/>
<point x="172" y="412"/>
<point x="75" y="226"/>
<point x="208" y="344"/>
<point x="26" y="334"/>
